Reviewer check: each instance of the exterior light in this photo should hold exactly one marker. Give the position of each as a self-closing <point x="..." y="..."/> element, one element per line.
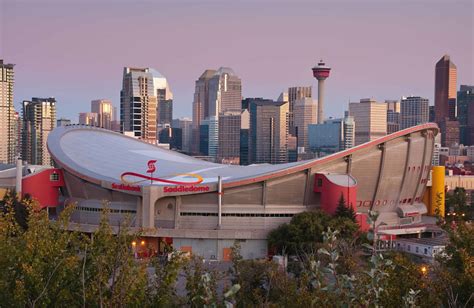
<point x="142" y="243"/>
<point x="463" y="214"/>
<point x="424" y="270"/>
<point x="134" y="243"/>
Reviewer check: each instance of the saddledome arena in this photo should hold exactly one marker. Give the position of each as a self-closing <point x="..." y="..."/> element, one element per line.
<point x="205" y="207"/>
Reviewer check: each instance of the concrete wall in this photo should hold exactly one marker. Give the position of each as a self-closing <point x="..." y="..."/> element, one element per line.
<point x="214" y="248"/>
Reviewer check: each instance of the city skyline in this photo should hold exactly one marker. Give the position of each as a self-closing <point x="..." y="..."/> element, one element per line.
<point x="43" y="71"/>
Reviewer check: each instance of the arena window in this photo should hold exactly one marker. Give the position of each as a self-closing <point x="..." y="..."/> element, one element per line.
<point x="237" y="214"/>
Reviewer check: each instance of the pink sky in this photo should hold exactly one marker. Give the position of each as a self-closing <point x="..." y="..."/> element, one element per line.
<point x="76" y="50"/>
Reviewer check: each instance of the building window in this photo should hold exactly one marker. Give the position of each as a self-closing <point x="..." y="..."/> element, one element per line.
<point x="416" y="249"/>
<point x="426" y="251"/>
<point x="54" y="177"/>
<point x="320" y="182"/>
<point x="409" y="248"/>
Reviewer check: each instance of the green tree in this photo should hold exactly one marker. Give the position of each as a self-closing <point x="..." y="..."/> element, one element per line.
<point x="456" y="202"/>
<point x="456" y="272"/>
<point x="305" y="231"/>
<point x="345" y="211"/>
<point x="20" y="207"/>
<point x="110" y="274"/>
<point x="38" y="265"/>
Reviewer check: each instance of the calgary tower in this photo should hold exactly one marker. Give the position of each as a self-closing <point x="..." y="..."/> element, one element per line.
<point x="321" y="72"/>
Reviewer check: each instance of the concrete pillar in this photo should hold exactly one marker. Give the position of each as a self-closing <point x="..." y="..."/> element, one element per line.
<point x="219" y="202"/>
<point x="19" y="176"/>
<point x="320" y="101"/>
<point x="148" y="208"/>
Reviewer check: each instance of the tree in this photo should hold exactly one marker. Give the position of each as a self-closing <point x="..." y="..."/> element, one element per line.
<point x="11" y="201"/>
<point x="345" y="211"/>
<point x="457" y="266"/>
<point x="456" y="202"/>
<point x="305" y="231"/>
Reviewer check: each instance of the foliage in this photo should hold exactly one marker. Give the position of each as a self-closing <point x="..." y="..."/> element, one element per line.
<point x="20" y="208"/>
<point x="456" y="202"/>
<point x="305" y="231"/>
<point x="162" y="288"/>
<point x="457" y="265"/>
<point x="345" y="211"/>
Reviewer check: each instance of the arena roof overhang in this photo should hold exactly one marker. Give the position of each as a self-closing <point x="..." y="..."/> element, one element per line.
<point x="98" y="155"/>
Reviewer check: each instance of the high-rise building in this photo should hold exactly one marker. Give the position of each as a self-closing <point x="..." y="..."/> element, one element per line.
<point x="305" y="112"/>
<point x="230" y="125"/>
<point x="432" y="114"/>
<point x="141" y="88"/>
<point x="268" y="131"/>
<point x="17" y="131"/>
<point x="186" y="127"/>
<point x="294" y="94"/>
<point x="216" y="92"/>
<point x="88" y="118"/>
<point x="244" y="137"/>
<point x="370" y="119"/>
<point x="63" y="122"/>
<point x="165" y="112"/>
<point x="39" y="119"/>
<point x="445" y="89"/>
<point x="105" y="112"/>
<point x="449" y="133"/>
<point x="225" y="92"/>
<point x="8" y="151"/>
<point x="209" y="137"/>
<point x="393" y="116"/>
<point x="332" y="136"/>
<point x="200" y="106"/>
<point x="283" y="97"/>
<point x="321" y="72"/>
<point x="445" y="97"/>
<point x="465" y="99"/>
<point x="414" y="111"/>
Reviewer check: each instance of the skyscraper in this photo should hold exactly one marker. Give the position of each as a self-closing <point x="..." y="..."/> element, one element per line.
<point x="216" y="92"/>
<point x="414" y="111"/>
<point x="139" y="100"/>
<point x="105" y="112"/>
<point x="445" y="89"/>
<point x="39" y="119"/>
<point x="7" y="114"/>
<point x="165" y="112"/>
<point x="293" y="94"/>
<point x="209" y="137"/>
<point x="465" y="99"/>
<point x="186" y="126"/>
<point x="445" y="99"/>
<point x="268" y="131"/>
<point x="88" y="118"/>
<point x="225" y="92"/>
<point x="393" y="116"/>
<point x="305" y="112"/>
<point x="200" y="106"/>
<point x="370" y="120"/>
<point x="332" y="136"/>
<point x="230" y="124"/>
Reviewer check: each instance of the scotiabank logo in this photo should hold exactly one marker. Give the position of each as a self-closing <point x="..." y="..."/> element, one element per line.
<point x="182" y="188"/>
<point x="126" y="187"/>
<point x="131" y="178"/>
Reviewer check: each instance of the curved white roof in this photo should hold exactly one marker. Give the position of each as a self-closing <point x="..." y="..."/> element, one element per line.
<point x="101" y="155"/>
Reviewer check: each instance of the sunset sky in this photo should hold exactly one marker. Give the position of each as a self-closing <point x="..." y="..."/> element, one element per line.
<point x="76" y="50"/>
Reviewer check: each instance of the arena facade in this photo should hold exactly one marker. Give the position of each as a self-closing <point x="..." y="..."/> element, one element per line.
<point x="204" y="207"/>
